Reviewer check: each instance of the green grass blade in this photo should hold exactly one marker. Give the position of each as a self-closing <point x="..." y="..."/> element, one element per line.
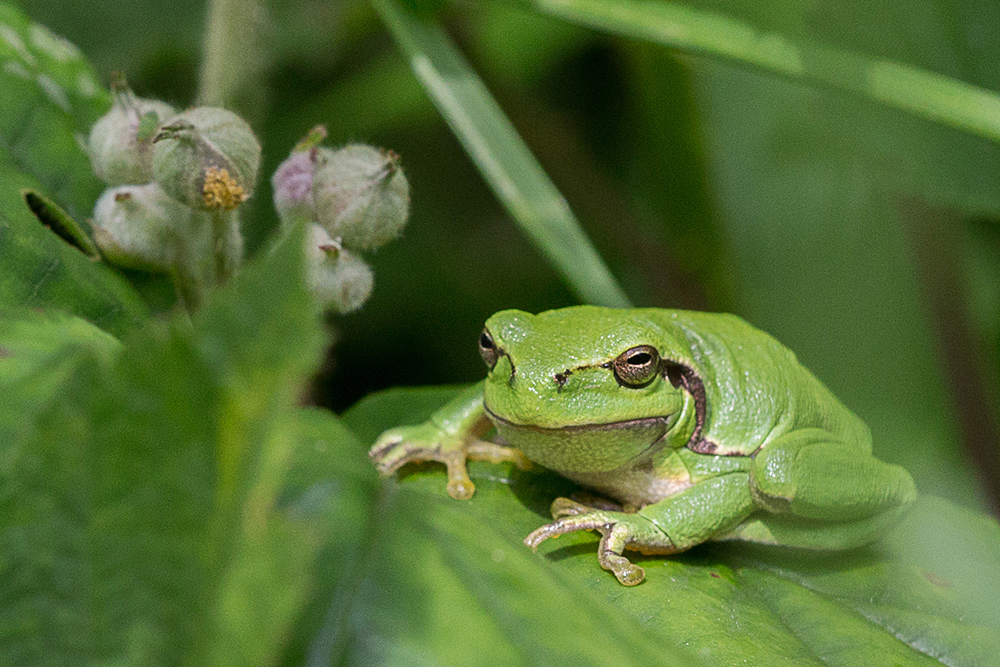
<point x="502" y="157"/>
<point x="912" y="89"/>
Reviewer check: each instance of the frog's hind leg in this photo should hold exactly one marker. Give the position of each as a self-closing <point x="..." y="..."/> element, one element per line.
<point x="792" y="531"/>
<point x="833" y="494"/>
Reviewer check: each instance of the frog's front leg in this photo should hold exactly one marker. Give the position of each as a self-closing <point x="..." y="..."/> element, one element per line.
<point x="674" y="524"/>
<point x="450" y="436"/>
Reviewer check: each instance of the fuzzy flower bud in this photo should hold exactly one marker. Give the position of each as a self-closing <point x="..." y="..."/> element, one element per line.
<point x="207" y="158"/>
<point x="362" y="196"/>
<point x="138" y="227"/>
<point x="121" y="142"/>
<point x="340" y="281"/>
<point x="357" y="193"/>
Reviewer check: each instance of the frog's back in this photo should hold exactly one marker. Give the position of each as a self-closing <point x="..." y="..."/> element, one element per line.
<point x="755" y="389"/>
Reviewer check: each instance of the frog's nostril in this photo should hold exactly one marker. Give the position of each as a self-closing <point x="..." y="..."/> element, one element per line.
<point x="561" y="379"/>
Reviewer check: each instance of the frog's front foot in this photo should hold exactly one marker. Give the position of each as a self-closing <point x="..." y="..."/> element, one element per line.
<point x="619" y="531"/>
<point x="426" y="442"/>
<point x="423" y="442"/>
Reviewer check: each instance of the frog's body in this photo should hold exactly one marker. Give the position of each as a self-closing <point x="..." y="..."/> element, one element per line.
<point x="701" y="426"/>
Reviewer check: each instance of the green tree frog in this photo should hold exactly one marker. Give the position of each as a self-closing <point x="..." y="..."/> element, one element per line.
<point x="697" y="426"/>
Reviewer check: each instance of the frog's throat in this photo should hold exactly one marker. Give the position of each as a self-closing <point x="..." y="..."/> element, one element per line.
<point x="625" y="425"/>
<point x="587" y="448"/>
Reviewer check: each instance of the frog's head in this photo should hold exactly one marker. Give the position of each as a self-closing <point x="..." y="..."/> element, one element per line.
<point x="580" y="389"/>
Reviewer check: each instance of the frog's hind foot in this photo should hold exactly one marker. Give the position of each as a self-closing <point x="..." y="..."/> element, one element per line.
<point x="619" y="531"/>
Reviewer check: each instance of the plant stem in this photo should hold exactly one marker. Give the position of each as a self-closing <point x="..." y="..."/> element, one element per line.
<point x="234" y="56"/>
<point x="188" y="290"/>
<point x="227" y="245"/>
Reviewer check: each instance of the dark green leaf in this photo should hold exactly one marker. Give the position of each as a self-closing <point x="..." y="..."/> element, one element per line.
<point x="51" y="215"/>
<point x="448" y="569"/>
<point x="141" y="512"/>
<point x="48" y="99"/>
<point x="39" y="270"/>
<point x="38" y="353"/>
<point x="331" y="481"/>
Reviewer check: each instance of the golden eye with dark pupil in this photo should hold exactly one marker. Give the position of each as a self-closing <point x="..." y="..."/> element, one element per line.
<point x="488" y="349"/>
<point x="637" y="367"/>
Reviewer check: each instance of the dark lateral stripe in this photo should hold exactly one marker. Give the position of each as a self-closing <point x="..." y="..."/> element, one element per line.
<point x="684" y="376"/>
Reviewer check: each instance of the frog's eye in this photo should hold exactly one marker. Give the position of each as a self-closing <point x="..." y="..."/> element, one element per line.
<point x="637" y="367"/>
<point x="488" y="349"/>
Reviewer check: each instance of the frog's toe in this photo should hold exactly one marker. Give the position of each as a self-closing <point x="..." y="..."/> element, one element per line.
<point x="460" y="486"/>
<point x="609" y="555"/>
<point x="385" y="442"/>
<point x="563" y="507"/>
<point x="391" y="451"/>
<point x="411" y="444"/>
<point x="405" y="444"/>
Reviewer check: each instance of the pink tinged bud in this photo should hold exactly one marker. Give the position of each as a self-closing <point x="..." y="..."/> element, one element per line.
<point x="293" y="184"/>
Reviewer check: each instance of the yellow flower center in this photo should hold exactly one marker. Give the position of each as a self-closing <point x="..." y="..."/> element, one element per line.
<point x="221" y="190"/>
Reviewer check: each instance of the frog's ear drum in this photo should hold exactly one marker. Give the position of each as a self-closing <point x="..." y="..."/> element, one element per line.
<point x="674" y="373"/>
<point x="684" y="377"/>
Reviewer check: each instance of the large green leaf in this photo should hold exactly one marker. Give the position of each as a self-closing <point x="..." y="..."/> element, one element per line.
<point x="38" y="352"/>
<point x="48" y="99"/>
<point x="451" y="584"/>
<point x="144" y="511"/>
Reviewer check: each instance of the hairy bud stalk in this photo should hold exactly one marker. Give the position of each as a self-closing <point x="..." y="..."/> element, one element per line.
<point x="207" y="158"/>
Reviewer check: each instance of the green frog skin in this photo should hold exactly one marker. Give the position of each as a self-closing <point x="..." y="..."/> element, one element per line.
<point x="697" y="425"/>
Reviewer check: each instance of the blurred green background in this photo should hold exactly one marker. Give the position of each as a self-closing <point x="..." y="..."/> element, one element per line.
<point x="866" y="239"/>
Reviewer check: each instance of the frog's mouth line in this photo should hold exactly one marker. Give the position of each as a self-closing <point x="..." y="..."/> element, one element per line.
<point x="626" y="425"/>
